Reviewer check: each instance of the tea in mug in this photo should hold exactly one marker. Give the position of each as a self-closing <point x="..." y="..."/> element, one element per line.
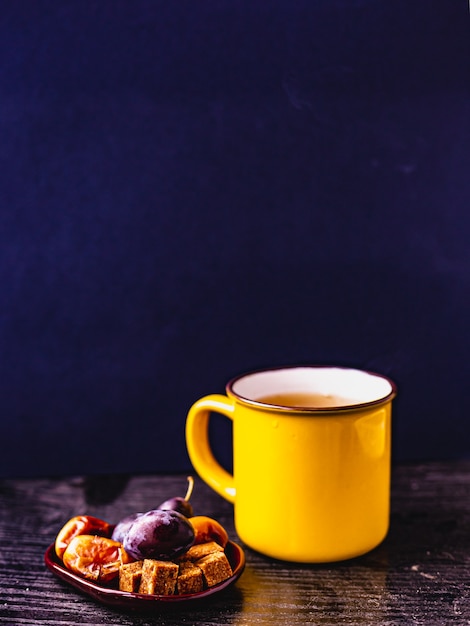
<point x="305" y="400"/>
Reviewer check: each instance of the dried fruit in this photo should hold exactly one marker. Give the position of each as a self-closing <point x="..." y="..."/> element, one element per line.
<point x="94" y="557"/>
<point x="207" y="529"/>
<point x="80" y="525"/>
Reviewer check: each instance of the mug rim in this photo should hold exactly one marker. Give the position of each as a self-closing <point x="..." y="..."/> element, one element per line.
<point x="345" y="408"/>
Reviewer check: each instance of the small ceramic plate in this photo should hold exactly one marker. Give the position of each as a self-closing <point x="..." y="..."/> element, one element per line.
<point x="138" y="601"/>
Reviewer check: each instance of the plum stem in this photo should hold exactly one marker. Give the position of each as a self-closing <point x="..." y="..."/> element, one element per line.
<point x="190" y="488"/>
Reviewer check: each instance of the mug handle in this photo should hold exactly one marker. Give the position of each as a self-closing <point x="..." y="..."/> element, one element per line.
<point x="199" y="450"/>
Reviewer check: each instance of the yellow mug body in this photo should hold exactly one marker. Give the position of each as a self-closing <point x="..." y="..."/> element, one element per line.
<point x="310" y="483"/>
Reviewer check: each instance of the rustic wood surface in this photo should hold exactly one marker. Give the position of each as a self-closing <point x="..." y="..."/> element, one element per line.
<point x="419" y="575"/>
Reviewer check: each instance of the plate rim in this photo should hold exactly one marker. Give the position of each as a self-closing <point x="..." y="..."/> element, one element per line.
<point x="115" y="597"/>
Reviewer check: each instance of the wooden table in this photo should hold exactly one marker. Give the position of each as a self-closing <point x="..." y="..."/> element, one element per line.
<point x="419" y="575"/>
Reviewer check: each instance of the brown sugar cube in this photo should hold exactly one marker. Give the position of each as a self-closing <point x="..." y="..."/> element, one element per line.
<point x="129" y="576"/>
<point x="201" y="549"/>
<point x="215" y="568"/>
<point x="190" y="578"/>
<point x="158" y="577"/>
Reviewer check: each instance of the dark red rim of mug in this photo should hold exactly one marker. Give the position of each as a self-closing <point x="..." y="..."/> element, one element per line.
<point x="300" y="409"/>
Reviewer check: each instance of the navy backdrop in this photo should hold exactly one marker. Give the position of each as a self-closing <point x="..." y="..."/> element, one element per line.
<point x="194" y="189"/>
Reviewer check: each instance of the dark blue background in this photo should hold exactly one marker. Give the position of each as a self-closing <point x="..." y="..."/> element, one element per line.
<point x="194" y="189"/>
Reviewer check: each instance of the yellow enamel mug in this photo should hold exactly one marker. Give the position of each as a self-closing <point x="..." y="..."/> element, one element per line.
<point x="311" y="459"/>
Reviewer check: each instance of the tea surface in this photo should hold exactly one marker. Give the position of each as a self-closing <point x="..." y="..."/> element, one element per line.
<point x="304" y="400"/>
